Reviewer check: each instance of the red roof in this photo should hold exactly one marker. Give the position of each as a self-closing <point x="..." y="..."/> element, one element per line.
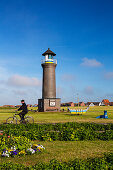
<point x="8" y="106"/>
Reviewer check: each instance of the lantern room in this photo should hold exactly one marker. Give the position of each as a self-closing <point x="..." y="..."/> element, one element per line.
<point x="49" y="57"/>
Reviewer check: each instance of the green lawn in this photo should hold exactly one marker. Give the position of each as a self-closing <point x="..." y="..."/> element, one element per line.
<point x="57" y="117"/>
<point x="65" y="151"/>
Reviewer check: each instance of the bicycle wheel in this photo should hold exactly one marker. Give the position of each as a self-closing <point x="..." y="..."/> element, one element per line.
<point x="29" y="119"/>
<point x="11" y="120"/>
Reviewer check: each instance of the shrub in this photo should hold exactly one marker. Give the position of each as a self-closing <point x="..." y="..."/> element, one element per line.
<point x="62" y="132"/>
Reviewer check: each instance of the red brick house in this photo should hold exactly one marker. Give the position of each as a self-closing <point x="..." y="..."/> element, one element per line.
<point x="81" y="104"/>
<point x="106" y="102"/>
<point x="71" y="104"/>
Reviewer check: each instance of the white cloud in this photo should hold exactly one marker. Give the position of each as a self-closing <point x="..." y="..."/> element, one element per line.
<point x="90" y="63"/>
<point x="13" y="88"/>
<point x="22" y="81"/>
<point x="108" y="75"/>
<point x="13" y="96"/>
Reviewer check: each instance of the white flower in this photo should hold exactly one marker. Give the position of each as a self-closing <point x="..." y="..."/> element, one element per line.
<point x="5" y="154"/>
<point x="13" y="148"/>
<point x="40" y="146"/>
<point x="31" y="150"/>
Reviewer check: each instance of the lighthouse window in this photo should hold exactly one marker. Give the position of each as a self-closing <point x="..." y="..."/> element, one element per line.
<point x="50" y="56"/>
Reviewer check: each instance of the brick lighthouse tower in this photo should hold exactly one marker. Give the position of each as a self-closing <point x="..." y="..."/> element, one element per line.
<point x="49" y="102"/>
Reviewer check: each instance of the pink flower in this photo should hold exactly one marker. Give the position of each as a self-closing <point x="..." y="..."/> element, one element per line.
<point x="1" y="133"/>
<point x="8" y="136"/>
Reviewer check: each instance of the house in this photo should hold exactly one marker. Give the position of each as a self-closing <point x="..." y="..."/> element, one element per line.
<point x="96" y="103"/>
<point x="91" y="104"/>
<point x="101" y="104"/>
<point x="71" y="104"/>
<point x="8" y="106"/>
<point x="81" y="104"/>
<point x="88" y="103"/>
<point x="106" y="102"/>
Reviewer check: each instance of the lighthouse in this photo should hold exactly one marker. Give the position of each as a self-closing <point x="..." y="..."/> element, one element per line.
<point x="49" y="102"/>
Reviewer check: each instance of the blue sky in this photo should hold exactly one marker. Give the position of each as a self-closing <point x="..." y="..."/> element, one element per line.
<point x="79" y="32"/>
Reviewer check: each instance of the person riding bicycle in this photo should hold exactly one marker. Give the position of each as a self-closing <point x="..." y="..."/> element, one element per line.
<point x="24" y="110"/>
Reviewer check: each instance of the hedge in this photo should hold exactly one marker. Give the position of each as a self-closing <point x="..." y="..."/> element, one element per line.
<point x="60" y="131"/>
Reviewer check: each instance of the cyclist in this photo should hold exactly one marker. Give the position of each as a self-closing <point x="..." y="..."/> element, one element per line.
<point x="24" y="110"/>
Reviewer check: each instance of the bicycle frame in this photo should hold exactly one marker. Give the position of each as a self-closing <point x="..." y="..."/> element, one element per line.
<point x="15" y="117"/>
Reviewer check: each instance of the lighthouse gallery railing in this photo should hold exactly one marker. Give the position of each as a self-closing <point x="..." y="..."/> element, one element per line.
<point x="51" y="61"/>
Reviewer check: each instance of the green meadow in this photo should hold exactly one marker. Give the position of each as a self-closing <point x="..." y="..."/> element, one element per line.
<point x="62" y="117"/>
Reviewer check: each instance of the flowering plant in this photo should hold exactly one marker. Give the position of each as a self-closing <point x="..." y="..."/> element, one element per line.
<point x="12" y="146"/>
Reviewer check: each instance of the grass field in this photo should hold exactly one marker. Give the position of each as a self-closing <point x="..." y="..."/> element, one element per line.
<point x="64" y="150"/>
<point x="57" y="117"/>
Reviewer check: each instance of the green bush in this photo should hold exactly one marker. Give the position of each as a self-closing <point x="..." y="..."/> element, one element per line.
<point x="60" y="131"/>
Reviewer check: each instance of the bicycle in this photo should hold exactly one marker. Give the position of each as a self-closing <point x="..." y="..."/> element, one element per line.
<point x="14" y="119"/>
